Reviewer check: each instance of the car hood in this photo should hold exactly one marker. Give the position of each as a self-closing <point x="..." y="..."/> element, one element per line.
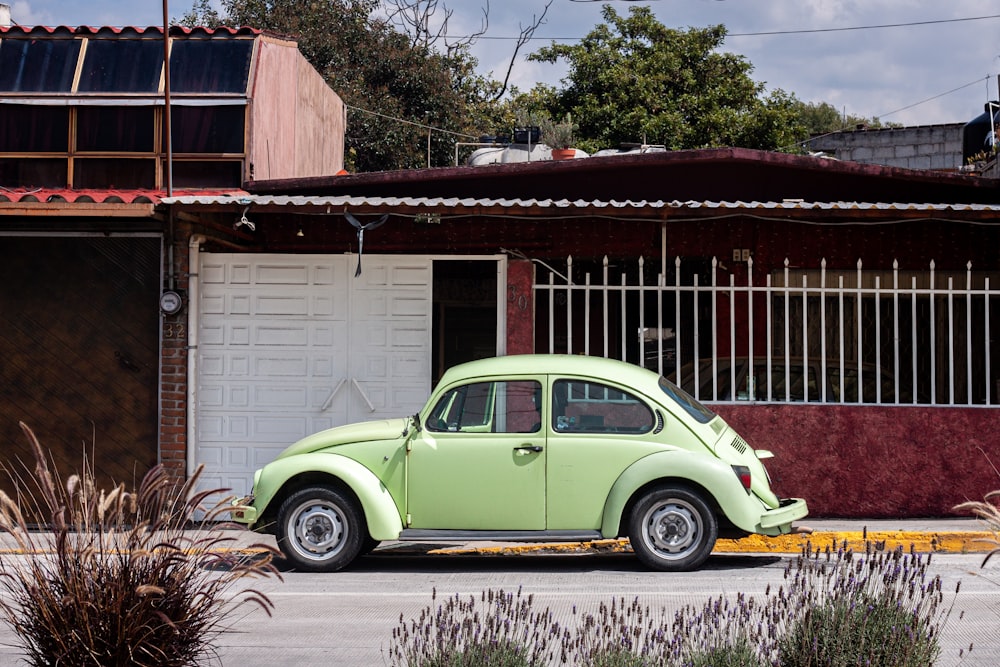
<point x="387" y="429"/>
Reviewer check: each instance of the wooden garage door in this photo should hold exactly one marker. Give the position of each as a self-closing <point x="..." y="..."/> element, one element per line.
<point x="79" y="350"/>
<point x="292" y="344"/>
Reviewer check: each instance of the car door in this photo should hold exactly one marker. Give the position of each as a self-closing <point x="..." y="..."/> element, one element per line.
<point x="479" y="462"/>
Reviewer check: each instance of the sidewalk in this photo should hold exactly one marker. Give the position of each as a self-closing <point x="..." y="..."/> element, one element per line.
<point x="949" y="535"/>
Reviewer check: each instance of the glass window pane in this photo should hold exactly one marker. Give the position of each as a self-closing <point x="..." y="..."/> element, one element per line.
<point x="123" y="129"/>
<point x="210" y="66"/>
<point x="122" y="66"/>
<point x="489" y="407"/>
<point x="114" y="173"/>
<point x="38" y="65"/>
<point x="207" y="129"/>
<point x="207" y="174"/>
<point x="28" y="128"/>
<point x="33" y="173"/>
<point x="592" y="407"/>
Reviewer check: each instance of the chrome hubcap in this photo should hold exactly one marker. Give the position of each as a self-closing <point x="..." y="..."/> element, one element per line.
<point x="673" y="528"/>
<point x="318" y="529"/>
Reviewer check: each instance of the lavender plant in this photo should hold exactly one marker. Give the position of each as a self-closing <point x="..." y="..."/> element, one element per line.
<point x="838" y="608"/>
<point x="842" y="608"/>
<point x="116" y="577"/>
<point x="501" y="630"/>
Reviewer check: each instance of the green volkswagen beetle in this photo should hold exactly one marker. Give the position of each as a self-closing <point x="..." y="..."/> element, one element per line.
<point x="524" y="448"/>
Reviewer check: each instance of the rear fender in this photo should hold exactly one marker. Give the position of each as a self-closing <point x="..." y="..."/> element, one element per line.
<point x="381" y="514"/>
<point x="678" y="467"/>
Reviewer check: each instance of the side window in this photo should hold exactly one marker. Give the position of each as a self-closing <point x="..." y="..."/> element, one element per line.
<point x="591" y="407"/>
<point x="488" y="407"/>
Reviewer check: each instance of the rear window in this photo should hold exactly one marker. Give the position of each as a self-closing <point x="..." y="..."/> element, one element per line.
<point x="686" y="401"/>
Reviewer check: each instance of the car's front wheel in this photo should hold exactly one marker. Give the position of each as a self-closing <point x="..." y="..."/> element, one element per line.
<point x="672" y="528"/>
<point x="320" y="529"/>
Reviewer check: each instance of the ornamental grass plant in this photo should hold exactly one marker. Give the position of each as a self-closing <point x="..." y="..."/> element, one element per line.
<point x="988" y="511"/>
<point x="118" y="577"/>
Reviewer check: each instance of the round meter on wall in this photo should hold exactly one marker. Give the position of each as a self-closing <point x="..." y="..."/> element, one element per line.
<point x="170" y="302"/>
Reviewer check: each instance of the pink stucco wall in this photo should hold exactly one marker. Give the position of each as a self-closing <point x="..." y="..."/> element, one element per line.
<point x="875" y="462"/>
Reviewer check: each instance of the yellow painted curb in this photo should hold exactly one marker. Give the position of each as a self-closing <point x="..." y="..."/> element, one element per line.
<point x="922" y="542"/>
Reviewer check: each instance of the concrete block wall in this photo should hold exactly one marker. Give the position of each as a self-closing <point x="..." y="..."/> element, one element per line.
<point x="927" y="147"/>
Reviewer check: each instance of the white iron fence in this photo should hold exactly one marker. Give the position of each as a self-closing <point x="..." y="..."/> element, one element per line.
<point x="856" y="336"/>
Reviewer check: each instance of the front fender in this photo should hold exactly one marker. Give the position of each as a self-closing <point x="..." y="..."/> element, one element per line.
<point x="381" y="515"/>
<point x="677" y="466"/>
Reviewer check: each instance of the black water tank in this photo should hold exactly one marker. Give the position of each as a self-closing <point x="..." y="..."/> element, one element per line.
<point x="976" y="130"/>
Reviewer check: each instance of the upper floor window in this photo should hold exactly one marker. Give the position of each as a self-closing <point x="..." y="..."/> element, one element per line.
<point x="122" y="66"/>
<point x="37" y="65"/>
<point x="210" y="66"/>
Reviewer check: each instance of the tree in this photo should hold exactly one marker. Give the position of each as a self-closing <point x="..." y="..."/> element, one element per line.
<point x="631" y="79"/>
<point x="823" y="118"/>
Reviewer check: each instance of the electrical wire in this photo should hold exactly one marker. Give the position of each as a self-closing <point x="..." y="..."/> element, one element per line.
<point x="766" y="33"/>
<point x="410" y="122"/>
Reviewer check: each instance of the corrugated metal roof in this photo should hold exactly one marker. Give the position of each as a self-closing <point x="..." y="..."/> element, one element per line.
<point x="438" y="202"/>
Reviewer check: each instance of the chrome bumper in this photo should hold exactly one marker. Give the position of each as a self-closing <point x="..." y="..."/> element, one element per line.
<point x="778" y="521"/>
<point x="243" y="511"/>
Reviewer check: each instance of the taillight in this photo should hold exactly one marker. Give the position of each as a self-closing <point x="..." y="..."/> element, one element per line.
<point x="743" y="473"/>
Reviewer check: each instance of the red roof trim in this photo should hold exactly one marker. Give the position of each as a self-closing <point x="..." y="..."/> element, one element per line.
<point x="63" y="196"/>
<point x="40" y="31"/>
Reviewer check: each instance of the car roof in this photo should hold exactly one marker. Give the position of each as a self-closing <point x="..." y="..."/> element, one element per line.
<point x="552" y="364"/>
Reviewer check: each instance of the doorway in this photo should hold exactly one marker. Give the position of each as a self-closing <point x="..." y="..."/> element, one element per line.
<point x="465" y="323"/>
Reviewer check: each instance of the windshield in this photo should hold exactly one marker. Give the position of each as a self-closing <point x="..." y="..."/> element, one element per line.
<point x="686" y="401"/>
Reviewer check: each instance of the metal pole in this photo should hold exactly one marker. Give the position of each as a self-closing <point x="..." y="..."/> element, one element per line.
<point x="166" y="101"/>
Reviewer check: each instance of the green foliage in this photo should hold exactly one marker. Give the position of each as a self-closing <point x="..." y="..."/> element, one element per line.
<point x="201" y="14"/>
<point x="823" y="118"/>
<point x="738" y="654"/>
<point x="117" y="579"/>
<point x="631" y="79"/>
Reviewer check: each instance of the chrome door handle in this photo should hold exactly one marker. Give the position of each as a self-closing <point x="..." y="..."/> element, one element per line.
<point x="524" y="449"/>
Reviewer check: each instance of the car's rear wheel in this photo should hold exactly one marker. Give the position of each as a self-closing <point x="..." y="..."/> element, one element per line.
<point x="672" y="528"/>
<point x="320" y="529"/>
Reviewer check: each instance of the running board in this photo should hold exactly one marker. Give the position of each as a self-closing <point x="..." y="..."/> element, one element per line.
<point x="420" y="535"/>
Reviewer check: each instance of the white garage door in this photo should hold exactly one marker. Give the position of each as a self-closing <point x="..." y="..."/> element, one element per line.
<point x="292" y="344"/>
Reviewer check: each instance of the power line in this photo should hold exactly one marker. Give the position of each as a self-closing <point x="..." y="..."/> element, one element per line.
<point x="934" y="97"/>
<point x="410" y="122"/>
<point x="860" y="27"/>
<point x="802" y="31"/>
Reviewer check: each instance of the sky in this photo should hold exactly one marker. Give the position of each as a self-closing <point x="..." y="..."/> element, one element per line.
<point x="914" y="62"/>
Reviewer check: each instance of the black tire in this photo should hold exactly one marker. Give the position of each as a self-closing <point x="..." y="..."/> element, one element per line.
<point x="320" y="529"/>
<point x="370" y="545"/>
<point x="672" y="529"/>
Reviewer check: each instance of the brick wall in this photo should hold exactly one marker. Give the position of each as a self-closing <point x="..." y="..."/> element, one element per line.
<point x="173" y="382"/>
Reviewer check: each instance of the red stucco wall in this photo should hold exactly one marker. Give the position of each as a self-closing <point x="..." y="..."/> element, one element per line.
<point x="875" y="462"/>
<point x="520" y="307"/>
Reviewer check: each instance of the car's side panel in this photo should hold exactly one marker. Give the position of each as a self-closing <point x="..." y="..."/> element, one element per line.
<point x="381" y="514"/>
<point x="741" y="509"/>
<point x="582" y="468"/>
